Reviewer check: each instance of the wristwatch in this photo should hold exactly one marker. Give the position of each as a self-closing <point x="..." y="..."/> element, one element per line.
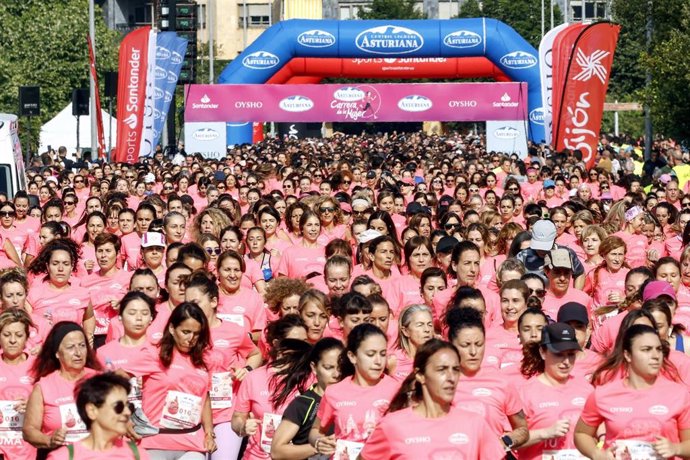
<point x="249" y="368"/>
<point x="508" y="442"/>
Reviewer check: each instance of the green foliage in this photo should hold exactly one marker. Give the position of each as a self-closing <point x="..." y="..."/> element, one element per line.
<point x="666" y="60"/>
<point x="43" y="43"/>
<point x="522" y="15"/>
<point x="391" y="9"/>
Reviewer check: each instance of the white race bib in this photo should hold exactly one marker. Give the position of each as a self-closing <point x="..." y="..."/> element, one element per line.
<point x="232" y="318"/>
<point x="347" y="450"/>
<point x="135" y="393"/>
<point x="221" y="390"/>
<point x="268" y="430"/>
<point x="563" y="454"/>
<point x="181" y="411"/>
<point x="634" y="450"/>
<point x="11" y="423"/>
<point x="72" y="422"/>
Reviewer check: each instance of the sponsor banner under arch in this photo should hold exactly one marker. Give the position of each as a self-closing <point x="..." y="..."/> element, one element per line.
<point x="357" y="102"/>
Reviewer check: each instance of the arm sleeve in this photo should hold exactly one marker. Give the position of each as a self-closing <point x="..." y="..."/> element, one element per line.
<point x="590" y="413"/>
<point x="326" y="412"/>
<point x="377" y="445"/>
<point x="243" y="401"/>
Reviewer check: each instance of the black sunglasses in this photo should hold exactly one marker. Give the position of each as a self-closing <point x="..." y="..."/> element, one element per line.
<point x="538" y="292"/>
<point x="7" y="213"/>
<point x="119" y="407"/>
<point x="451" y="226"/>
<point x="211" y="251"/>
<point x="327" y="209"/>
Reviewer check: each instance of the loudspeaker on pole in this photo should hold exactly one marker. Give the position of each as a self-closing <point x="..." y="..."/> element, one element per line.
<point x="80" y="102"/>
<point x="29" y="101"/>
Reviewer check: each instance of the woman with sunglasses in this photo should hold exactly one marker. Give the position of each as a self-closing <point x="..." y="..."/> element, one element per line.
<point x="51" y="418"/>
<point x="15" y="325"/>
<point x="331" y="216"/>
<point x="8" y="254"/>
<point x="649" y="390"/>
<point x="484" y="390"/>
<point x="71" y="215"/>
<point x="211" y="246"/>
<point x="103" y="407"/>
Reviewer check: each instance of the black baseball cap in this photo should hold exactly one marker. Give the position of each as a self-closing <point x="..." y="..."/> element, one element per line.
<point x="416" y="208"/>
<point x="559" y="337"/>
<point x="573" y="311"/>
<point x="446" y="245"/>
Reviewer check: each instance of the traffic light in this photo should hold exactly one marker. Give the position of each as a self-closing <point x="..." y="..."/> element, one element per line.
<point x="181" y="16"/>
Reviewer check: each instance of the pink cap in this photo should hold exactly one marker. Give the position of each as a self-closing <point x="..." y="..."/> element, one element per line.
<point x="655" y="289"/>
<point x="346" y="207"/>
<point x="408" y="181"/>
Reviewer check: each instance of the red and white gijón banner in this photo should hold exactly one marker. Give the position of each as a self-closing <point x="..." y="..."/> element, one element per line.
<point x="581" y="105"/>
<point x="131" y="93"/>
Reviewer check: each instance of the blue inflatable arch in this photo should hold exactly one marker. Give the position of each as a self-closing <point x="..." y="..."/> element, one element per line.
<point x="476" y="37"/>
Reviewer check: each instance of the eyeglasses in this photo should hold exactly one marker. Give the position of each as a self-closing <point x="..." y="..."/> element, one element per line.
<point x="541" y="293"/>
<point x="7" y="213"/>
<point x="513" y="189"/>
<point x="71" y="203"/>
<point x="361" y="213"/>
<point x="325" y="210"/>
<point x="119" y="407"/>
<point x="168" y="188"/>
<point x="593" y="174"/>
<point x="79" y="181"/>
<point x="212" y="251"/>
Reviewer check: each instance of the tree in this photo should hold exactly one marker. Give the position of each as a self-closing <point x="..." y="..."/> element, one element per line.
<point x="43" y="43"/>
<point x="522" y="15"/>
<point x="666" y="60"/>
<point x="390" y="9"/>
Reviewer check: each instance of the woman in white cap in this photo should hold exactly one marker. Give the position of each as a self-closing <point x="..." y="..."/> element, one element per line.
<point x="153" y="254"/>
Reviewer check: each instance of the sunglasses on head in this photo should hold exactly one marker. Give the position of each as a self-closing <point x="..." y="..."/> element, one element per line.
<point x="119" y="407"/>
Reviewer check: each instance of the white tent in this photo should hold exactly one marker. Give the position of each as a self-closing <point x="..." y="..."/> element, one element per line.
<point x="62" y="130"/>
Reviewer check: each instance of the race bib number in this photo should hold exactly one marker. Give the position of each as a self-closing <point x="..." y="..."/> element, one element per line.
<point x="347" y="450"/>
<point x="135" y="393"/>
<point x="181" y="411"/>
<point x="221" y="390"/>
<point x="564" y="454"/>
<point x="268" y="430"/>
<point x="11" y="423"/>
<point x="232" y="318"/>
<point x="634" y="450"/>
<point x="72" y="422"/>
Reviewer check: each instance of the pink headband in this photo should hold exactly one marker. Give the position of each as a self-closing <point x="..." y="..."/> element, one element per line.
<point x="633" y="212"/>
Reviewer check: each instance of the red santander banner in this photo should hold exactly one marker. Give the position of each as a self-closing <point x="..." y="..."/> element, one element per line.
<point x="131" y="94"/>
<point x="581" y="102"/>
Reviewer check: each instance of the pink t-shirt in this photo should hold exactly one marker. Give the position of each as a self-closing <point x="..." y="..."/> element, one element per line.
<point x="231" y="346"/>
<point x="55" y="306"/>
<point x="604" y="337"/>
<point x="298" y="261"/>
<point x="405" y="291"/>
<point x="107" y="289"/>
<point x="243" y="305"/>
<point x="544" y="405"/>
<point x="120" y="451"/>
<point x="636" y="252"/>
<point x="404" y="364"/>
<point x="500" y="341"/>
<point x="114" y="355"/>
<point x="329" y="235"/>
<point x="585" y="367"/>
<point x="663" y="409"/>
<point x="355" y="410"/>
<point x="607" y="283"/>
<point x="17" y="384"/>
<point x="682" y="314"/>
<point x="406" y="435"/>
<point x="59" y="407"/>
<point x="490" y="395"/>
<point x="130" y="251"/>
<point x="254" y="396"/>
<point x="173" y="398"/>
<point x="551" y="303"/>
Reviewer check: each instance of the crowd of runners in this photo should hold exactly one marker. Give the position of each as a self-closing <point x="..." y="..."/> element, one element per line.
<point x="378" y="296"/>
